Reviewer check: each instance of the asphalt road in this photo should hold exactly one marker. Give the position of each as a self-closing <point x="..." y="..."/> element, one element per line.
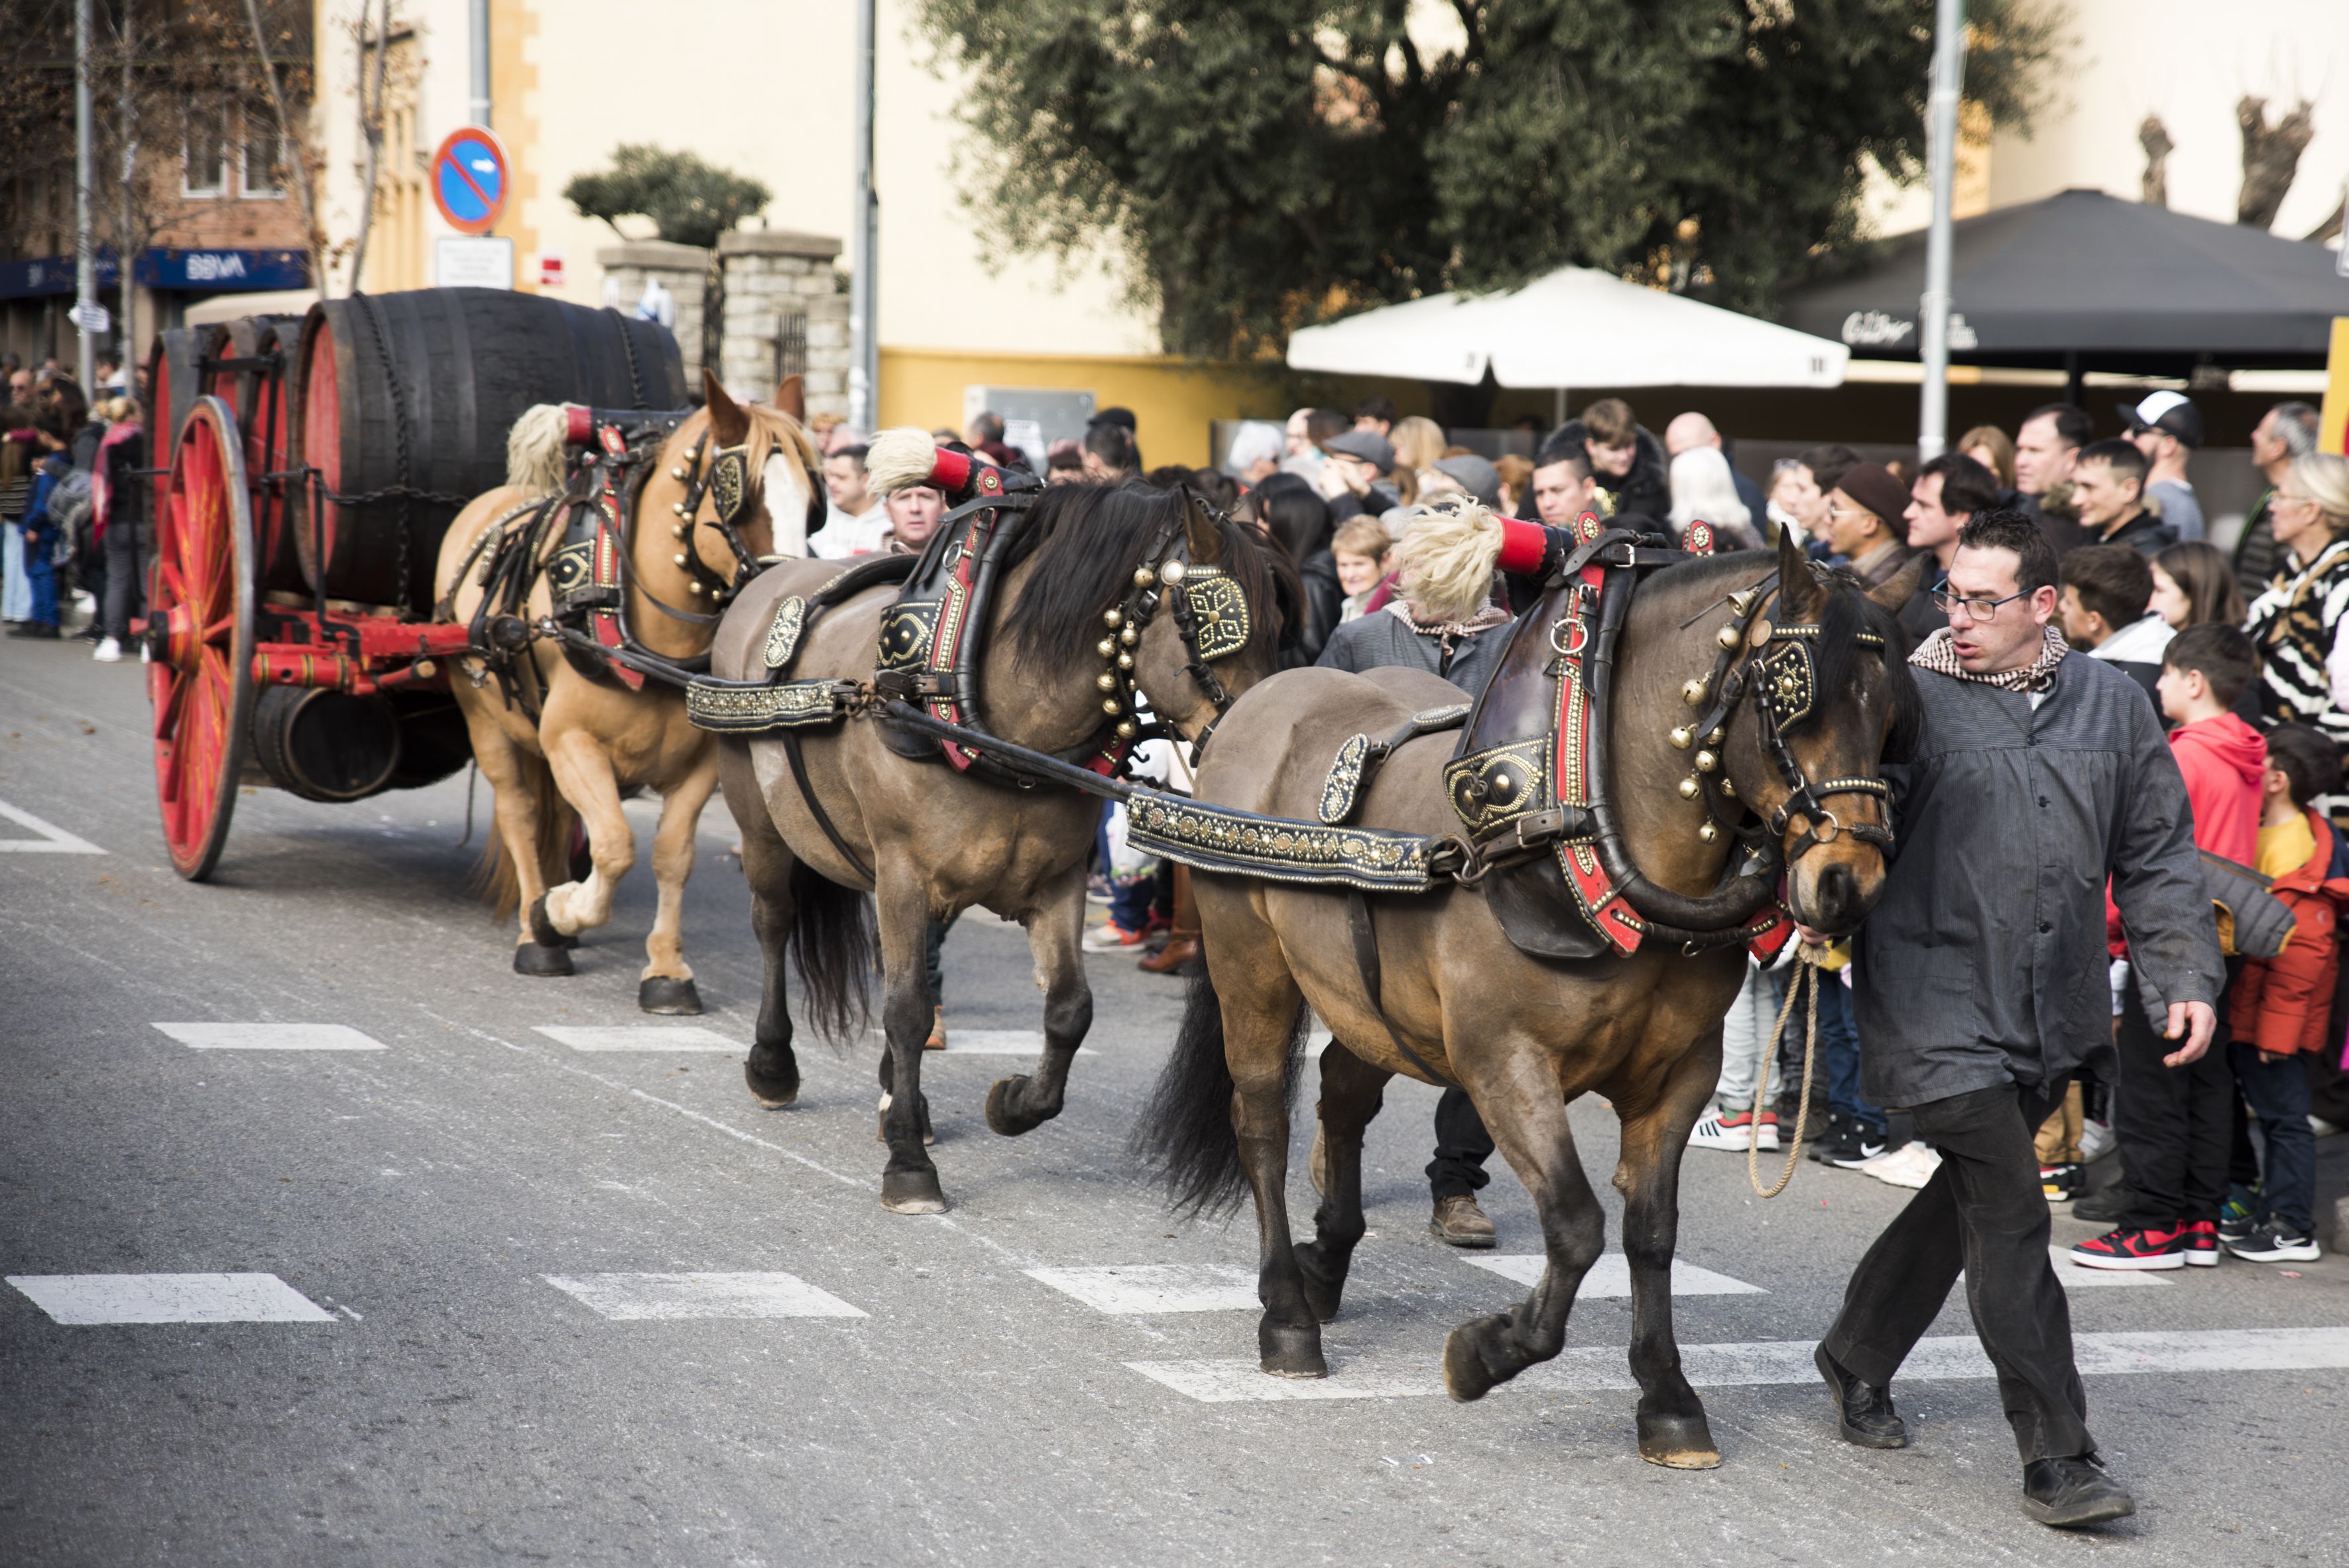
<point x="908" y="1390"/>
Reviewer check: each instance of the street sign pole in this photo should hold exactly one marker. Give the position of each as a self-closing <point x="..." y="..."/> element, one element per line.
<point x="1941" y="154"/>
<point x="865" y="244"/>
<point x="85" y="256"/>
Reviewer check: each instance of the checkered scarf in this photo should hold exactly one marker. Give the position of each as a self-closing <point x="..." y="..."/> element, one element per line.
<point x="1938" y="655"/>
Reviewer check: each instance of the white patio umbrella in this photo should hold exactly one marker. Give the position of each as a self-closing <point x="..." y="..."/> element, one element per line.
<point x="1574" y="327"/>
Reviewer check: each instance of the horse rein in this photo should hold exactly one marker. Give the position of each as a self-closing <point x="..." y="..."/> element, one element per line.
<point x="1782" y="679"/>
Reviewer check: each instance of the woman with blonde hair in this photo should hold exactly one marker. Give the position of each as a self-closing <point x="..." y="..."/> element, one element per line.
<point x="1418" y="442"/>
<point x="1443" y="618"/>
<point x="1704" y="491"/>
<point x="2299" y="623"/>
<point x="1994" y="449"/>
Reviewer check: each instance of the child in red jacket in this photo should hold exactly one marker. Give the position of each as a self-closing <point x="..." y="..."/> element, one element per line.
<point x="2279" y="1006"/>
<point x="2174" y="1123"/>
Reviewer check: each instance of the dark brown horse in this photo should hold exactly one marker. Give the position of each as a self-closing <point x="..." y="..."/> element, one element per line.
<point x="1080" y="597"/>
<point x="1523" y="1036"/>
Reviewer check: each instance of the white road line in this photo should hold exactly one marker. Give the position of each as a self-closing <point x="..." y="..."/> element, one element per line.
<point x="632" y="1297"/>
<point x="54" y="839"/>
<point x="2074" y="1276"/>
<point x="270" y="1037"/>
<point x="994" y="1042"/>
<point x="1611" y="1275"/>
<point x="169" y="1298"/>
<point x="1131" y="1289"/>
<point x="639" y="1037"/>
<point x="1599" y="1367"/>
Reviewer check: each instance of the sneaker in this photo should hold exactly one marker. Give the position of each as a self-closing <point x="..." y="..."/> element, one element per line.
<point x="1109" y="936"/>
<point x="1096" y="889"/>
<point x="2275" y="1243"/>
<point x="1835" y="1135"/>
<point x="2239" y="1212"/>
<point x="108" y="652"/>
<point x="2322" y="1128"/>
<point x="2133" y="1247"/>
<point x="2103" y="1207"/>
<point x="2061" y="1183"/>
<point x="1910" y="1166"/>
<point x="1862" y="1143"/>
<point x="2201" y="1238"/>
<point x="2097" y="1140"/>
<point x="1733" y="1131"/>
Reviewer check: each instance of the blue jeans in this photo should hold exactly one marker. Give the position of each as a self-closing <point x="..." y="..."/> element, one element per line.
<point x="2278" y="1093"/>
<point x="1839" y="1044"/>
<point x="41" y="577"/>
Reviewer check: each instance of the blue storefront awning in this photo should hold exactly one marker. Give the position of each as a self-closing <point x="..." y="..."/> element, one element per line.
<point x="208" y="271"/>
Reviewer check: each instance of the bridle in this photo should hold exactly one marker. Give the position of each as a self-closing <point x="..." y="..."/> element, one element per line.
<point x="1210" y="613"/>
<point x="724" y="481"/>
<point x="1781" y="677"/>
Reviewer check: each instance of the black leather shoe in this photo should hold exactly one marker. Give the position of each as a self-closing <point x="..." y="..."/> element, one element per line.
<point x="2069" y="1494"/>
<point x="2103" y="1207"/>
<point x="1864" y="1412"/>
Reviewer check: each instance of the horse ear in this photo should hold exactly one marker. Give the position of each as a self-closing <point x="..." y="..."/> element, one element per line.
<point x="1206" y="541"/>
<point x="1901" y="586"/>
<point x="791" y="398"/>
<point x="1799" y="592"/>
<point x="728" y="423"/>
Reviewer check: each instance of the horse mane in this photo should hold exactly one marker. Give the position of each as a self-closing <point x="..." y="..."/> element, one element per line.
<point x="1845" y="612"/>
<point x="537" y="455"/>
<point x="1087" y="542"/>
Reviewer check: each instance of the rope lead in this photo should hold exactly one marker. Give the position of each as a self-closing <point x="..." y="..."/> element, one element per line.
<point x="1808" y="959"/>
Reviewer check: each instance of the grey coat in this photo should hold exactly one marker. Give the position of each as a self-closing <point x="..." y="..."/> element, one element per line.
<point x="1985" y="961"/>
<point x="1383" y="638"/>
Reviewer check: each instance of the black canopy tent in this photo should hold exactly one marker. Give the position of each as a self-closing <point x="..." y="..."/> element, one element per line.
<point x="2082" y="281"/>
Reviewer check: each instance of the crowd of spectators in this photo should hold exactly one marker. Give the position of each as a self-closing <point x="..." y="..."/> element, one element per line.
<point x="77" y="539"/>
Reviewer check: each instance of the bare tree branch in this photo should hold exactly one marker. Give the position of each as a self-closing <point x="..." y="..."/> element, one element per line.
<point x="371" y="129"/>
<point x="299" y="162"/>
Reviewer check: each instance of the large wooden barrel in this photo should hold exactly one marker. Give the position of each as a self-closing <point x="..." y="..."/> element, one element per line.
<point x="171" y="382"/>
<point x="412" y="394"/>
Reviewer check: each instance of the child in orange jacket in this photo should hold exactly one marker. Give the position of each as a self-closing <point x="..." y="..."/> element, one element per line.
<point x="2280" y="1008"/>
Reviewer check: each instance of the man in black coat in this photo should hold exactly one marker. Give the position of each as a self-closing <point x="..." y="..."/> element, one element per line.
<point x="1627" y="462"/>
<point x="1979" y="985"/>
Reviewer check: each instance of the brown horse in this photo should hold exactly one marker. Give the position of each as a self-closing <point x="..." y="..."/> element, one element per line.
<point x="1523" y="1036"/>
<point x="563" y="741"/>
<point x="1080" y="591"/>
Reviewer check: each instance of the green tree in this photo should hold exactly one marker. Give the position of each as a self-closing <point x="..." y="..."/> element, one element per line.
<point x="1260" y="165"/>
<point x="689" y="201"/>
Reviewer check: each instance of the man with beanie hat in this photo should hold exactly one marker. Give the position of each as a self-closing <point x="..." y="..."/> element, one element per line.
<point x="1865" y="522"/>
<point x="2167" y="426"/>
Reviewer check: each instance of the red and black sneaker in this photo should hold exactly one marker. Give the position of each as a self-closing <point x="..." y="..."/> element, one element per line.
<point x="2135" y="1247"/>
<point x="2201" y="1238"/>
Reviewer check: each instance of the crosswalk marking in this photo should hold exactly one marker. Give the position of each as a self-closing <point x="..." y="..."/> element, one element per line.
<point x="1585" y="1369"/>
<point x="1611" y="1275"/>
<point x="632" y="1297"/>
<point x="53" y="840"/>
<point x="961" y="1042"/>
<point x="2074" y="1277"/>
<point x="169" y="1298"/>
<point x="270" y="1037"/>
<point x="638" y="1037"/>
<point x="1135" y="1288"/>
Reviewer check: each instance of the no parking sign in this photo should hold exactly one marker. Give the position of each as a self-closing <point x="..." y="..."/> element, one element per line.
<point x="469" y="180"/>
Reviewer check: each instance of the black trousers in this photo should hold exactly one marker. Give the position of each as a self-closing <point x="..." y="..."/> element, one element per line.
<point x="2173" y="1125"/>
<point x="1462" y="1147"/>
<point x="1983" y="1211"/>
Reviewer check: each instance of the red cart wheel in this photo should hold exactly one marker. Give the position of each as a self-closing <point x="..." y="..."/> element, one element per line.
<point x="200" y="636"/>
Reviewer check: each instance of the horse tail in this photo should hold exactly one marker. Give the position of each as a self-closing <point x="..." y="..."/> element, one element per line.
<point x="1186" y="1137"/>
<point x="534" y="448"/>
<point x="832" y="946"/>
<point x="555" y="824"/>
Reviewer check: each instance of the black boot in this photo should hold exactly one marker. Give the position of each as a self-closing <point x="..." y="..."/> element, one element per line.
<point x="2069" y="1494"/>
<point x="1864" y="1412"/>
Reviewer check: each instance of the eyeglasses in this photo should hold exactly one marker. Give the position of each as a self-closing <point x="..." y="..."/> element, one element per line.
<point x="1976" y="609"/>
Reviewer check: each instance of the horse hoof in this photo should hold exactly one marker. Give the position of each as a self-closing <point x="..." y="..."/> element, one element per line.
<point x="542" y="959"/>
<point x="666" y="994"/>
<point x="773" y="1090"/>
<point x="912" y="1192"/>
<point x="1004" y="1115"/>
<point x="542" y="927"/>
<point x="1466" y="1376"/>
<point x="1285" y="1352"/>
<point x="1678" y="1442"/>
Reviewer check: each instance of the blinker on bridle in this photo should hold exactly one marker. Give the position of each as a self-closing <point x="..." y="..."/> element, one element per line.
<point x="1210" y="613"/>
<point x="1783" y="679"/>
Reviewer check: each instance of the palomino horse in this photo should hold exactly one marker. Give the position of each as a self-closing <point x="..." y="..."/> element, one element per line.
<point x="1079" y="589"/>
<point x="558" y="740"/>
<point x="1523" y="1036"/>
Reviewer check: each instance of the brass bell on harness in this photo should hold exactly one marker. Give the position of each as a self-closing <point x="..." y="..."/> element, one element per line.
<point x="1682" y="738"/>
<point x="678" y="558"/>
<point x="1125" y="661"/>
<point x="693" y="587"/>
<point x="1728" y="791"/>
<point x="1106" y="681"/>
<point x="679" y="531"/>
<point x="1707" y="831"/>
<point x="1109" y="705"/>
<point x="1172" y="572"/>
<point x="1143" y="576"/>
<point x="1112" y="619"/>
<point x="1104" y="648"/>
<point x="1743" y="602"/>
<point x="1714" y="738"/>
<point x="1706" y="762"/>
<point x="1128" y="637"/>
<point x="1694" y="692"/>
<point x="677" y="473"/>
<point x="1689" y="788"/>
<point x="678" y="506"/>
<point x="1727" y="637"/>
<point x="1127" y="729"/>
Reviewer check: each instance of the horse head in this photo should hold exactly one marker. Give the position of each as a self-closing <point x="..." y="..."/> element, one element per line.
<point x="736" y="483"/>
<point x="1831" y="700"/>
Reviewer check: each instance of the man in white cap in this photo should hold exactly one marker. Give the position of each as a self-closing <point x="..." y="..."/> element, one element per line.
<point x="2167" y="427"/>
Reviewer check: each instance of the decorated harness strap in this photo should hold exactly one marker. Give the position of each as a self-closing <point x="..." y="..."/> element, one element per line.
<point x="586" y="575"/>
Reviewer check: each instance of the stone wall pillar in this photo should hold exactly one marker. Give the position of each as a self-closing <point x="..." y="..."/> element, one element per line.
<point x="784" y="314"/>
<point x="683" y="270"/>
